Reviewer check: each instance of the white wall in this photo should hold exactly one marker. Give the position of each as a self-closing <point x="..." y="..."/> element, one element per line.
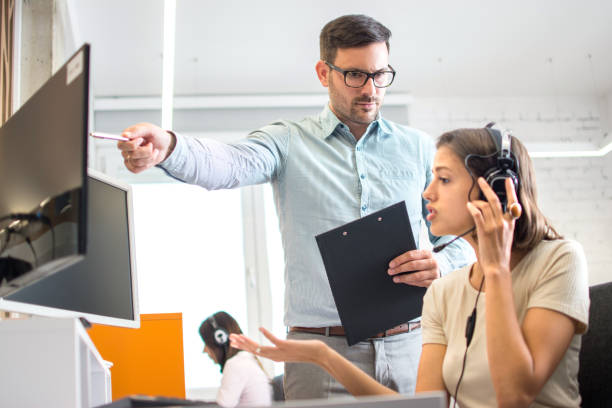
<point x="576" y="195"/>
<point x="535" y="120"/>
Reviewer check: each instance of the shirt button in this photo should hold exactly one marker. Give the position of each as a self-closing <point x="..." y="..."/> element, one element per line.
<point x="358" y="148"/>
<point x="364" y="207"/>
<point x="362" y="176"/>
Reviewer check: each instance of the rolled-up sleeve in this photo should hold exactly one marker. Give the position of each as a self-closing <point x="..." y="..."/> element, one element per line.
<point x="214" y="165"/>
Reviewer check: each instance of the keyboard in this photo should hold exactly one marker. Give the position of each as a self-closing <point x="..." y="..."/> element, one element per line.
<point x="134" y="401"/>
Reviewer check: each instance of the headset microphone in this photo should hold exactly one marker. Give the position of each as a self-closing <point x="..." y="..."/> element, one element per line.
<point x="442" y="246"/>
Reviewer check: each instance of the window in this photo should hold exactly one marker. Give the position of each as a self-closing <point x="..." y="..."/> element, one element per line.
<point x="190" y="259"/>
<point x="276" y="267"/>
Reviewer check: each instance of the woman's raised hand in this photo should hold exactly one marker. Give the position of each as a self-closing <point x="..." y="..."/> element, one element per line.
<point x="282" y="350"/>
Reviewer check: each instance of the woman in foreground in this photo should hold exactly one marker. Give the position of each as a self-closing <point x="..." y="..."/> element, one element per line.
<point x="526" y="296"/>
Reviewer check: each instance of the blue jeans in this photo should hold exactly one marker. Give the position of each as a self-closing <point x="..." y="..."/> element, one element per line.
<point x="392" y="361"/>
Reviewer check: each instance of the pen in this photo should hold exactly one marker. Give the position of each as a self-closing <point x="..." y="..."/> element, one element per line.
<point x="101" y="135"/>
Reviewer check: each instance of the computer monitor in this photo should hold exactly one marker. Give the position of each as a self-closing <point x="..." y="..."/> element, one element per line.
<point x="102" y="288"/>
<point x="43" y="170"/>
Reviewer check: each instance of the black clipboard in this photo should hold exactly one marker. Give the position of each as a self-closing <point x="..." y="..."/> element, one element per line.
<point x="356" y="258"/>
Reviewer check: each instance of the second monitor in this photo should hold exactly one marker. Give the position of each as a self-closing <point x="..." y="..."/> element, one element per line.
<point x="103" y="287"/>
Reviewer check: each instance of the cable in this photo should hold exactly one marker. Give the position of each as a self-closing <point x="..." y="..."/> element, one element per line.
<point x="22" y="217"/>
<point x="469" y="333"/>
<point x="29" y="242"/>
<point x="438" y="248"/>
<point x="47" y="221"/>
<point x="11" y="231"/>
<point x="6" y="242"/>
<point x="28" y="217"/>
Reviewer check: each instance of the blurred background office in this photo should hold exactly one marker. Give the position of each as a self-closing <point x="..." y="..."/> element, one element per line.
<point x="221" y="68"/>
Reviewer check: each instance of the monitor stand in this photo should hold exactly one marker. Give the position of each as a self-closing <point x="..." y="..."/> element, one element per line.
<point x="50" y="362"/>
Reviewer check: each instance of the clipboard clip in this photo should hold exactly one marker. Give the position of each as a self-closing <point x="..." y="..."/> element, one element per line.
<point x="345" y="233"/>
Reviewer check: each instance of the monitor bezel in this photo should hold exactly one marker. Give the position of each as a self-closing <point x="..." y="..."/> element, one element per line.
<point x="47" y="311"/>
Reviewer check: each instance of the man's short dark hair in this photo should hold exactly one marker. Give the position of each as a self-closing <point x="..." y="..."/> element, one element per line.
<point x="354" y="30"/>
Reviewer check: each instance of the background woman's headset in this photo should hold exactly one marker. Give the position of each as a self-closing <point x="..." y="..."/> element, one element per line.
<point x="220" y="335"/>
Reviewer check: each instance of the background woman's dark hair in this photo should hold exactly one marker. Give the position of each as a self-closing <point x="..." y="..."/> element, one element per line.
<point x="355" y="30"/>
<point x="533" y="226"/>
<point x="224" y="321"/>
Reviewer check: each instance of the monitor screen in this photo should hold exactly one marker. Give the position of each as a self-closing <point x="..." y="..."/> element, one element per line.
<point x="101" y="288"/>
<point x="43" y="162"/>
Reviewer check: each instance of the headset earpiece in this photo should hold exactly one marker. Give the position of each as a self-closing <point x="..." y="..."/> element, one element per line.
<point x="220" y="335"/>
<point x="506" y="165"/>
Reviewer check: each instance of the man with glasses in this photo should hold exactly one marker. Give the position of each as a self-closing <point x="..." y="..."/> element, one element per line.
<point x="326" y="170"/>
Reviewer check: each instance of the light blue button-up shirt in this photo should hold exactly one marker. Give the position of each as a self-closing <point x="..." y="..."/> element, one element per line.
<point x="322" y="178"/>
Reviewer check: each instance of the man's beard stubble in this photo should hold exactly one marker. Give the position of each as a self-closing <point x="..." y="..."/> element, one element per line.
<point x="353" y="108"/>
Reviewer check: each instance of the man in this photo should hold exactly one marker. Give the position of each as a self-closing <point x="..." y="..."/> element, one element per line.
<point x="325" y="170"/>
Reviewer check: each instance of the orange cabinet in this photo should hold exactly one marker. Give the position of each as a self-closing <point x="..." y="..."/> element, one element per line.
<point x="148" y="360"/>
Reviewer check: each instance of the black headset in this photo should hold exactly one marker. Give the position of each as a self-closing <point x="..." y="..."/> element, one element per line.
<point x="220" y="335"/>
<point x="506" y="164"/>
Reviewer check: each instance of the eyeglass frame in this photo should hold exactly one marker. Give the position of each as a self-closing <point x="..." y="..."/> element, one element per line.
<point x="367" y="74"/>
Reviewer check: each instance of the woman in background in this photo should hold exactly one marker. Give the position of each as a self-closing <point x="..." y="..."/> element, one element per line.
<point x="525" y="299"/>
<point x="244" y="380"/>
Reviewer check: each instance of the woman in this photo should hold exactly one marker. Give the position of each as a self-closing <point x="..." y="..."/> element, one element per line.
<point x="244" y="380"/>
<point x="528" y="288"/>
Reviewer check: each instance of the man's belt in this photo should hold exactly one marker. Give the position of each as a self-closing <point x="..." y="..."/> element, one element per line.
<point x="339" y="330"/>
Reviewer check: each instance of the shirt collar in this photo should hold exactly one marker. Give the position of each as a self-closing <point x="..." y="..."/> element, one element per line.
<point x="383" y="125"/>
<point x="329" y="122"/>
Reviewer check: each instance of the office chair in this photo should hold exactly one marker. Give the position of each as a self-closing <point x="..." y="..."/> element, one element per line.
<point x="595" y="373"/>
<point x="278" y="394"/>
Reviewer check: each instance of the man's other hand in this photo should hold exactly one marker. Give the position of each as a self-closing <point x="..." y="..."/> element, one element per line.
<point x="416" y="268"/>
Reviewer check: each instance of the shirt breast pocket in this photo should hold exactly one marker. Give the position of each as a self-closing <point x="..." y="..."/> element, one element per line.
<point x="394" y="172"/>
<point x="397" y="183"/>
<point x="397" y="173"/>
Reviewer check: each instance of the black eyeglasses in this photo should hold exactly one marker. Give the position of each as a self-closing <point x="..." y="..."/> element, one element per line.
<point x="357" y="79"/>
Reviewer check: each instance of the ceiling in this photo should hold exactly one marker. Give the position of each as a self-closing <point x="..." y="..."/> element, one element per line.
<point x="469" y="48"/>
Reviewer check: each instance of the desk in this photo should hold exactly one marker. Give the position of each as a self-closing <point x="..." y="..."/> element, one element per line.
<point x="50" y="362"/>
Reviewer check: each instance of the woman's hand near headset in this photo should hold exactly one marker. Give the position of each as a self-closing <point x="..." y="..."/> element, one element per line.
<point x="494" y="228"/>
